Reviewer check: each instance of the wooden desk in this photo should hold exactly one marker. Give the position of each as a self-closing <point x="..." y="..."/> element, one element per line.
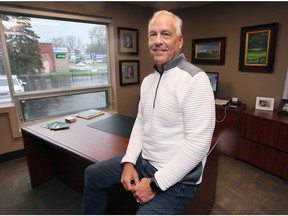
<point x="65" y="154"/>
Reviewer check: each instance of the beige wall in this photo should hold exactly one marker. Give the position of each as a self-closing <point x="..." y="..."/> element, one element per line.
<point x="226" y="20"/>
<point x="10" y="135"/>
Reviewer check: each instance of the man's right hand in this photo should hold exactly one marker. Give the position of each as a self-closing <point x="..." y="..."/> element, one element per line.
<point x="129" y="176"/>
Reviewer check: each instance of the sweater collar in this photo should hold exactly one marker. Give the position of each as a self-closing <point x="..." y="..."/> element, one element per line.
<point x="171" y="64"/>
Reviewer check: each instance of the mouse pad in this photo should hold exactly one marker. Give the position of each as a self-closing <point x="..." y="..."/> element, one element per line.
<point x="119" y="125"/>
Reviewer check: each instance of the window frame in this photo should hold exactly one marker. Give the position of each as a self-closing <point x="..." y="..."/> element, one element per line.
<point x="64" y="16"/>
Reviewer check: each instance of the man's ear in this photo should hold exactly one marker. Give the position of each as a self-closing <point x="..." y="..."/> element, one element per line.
<point x="181" y="40"/>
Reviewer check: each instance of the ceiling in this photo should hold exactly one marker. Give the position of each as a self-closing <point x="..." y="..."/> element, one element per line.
<point x="169" y="5"/>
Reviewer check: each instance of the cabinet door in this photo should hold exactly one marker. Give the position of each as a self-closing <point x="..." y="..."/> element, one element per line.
<point x="249" y="127"/>
<point x="282" y="141"/>
<point x="268" y="132"/>
<point x="263" y="131"/>
<point x="273" y="161"/>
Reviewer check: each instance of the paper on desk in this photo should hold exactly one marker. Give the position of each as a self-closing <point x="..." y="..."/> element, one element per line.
<point x="56" y="125"/>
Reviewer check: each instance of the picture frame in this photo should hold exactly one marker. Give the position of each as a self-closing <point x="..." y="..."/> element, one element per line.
<point x="264" y="103"/>
<point x="127" y="41"/>
<point x="283" y="107"/>
<point x="210" y="51"/>
<point x="257" y="48"/>
<point x="129" y="72"/>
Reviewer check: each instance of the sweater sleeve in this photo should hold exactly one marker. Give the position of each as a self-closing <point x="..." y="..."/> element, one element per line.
<point x="198" y="106"/>
<point x="135" y="142"/>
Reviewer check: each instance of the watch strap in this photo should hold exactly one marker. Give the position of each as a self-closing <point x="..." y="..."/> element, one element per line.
<point x="154" y="185"/>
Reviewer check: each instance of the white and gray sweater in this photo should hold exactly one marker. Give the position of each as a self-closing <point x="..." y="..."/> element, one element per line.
<point x="175" y="122"/>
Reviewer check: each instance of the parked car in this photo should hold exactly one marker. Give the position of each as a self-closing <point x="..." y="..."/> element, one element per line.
<point x="80" y="64"/>
<point x="4" y="88"/>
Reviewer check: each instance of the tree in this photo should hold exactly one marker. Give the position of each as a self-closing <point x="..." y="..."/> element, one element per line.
<point x="69" y="41"/>
<point x="73" y="43"/>
<point x="22" y="45"/>
<point x="98" y="40"/>
<point x="58" y="41"/>
<point x="258" y="41"/>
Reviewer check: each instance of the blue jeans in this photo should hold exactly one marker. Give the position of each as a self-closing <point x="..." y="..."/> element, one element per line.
<point x="106" y="174"/>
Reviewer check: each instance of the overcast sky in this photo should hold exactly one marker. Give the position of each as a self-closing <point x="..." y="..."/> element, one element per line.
<point x="48" y="29"/>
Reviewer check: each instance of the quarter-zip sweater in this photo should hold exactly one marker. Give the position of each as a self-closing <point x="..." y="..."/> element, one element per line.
<point x="175" y="123"/>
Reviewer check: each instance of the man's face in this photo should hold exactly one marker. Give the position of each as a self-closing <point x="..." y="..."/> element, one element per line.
<point x="164" y="43"/>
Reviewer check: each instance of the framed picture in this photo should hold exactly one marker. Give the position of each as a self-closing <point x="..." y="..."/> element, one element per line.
<point x="257" y="48"/>
<point x="209" y="51"/>
<point x="283" y="107"/>
<point x="129" y="72"/>
<point x="127" y="41"/>
<point x="264" y="103"/>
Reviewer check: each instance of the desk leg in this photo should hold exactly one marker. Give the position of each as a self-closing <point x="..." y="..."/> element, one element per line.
<point x="40" y="164"/>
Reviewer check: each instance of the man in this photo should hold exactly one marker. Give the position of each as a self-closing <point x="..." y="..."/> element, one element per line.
<point x="130" y="73"/>
<point x="128" y="42"/>
<point x="172" y="133"/>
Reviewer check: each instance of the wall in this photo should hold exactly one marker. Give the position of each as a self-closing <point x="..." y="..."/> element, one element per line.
<point x="10" y="134"/>
<point x="226" y="20"/>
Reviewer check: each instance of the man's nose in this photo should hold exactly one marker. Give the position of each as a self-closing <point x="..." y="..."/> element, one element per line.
<point x="158" y="39"/>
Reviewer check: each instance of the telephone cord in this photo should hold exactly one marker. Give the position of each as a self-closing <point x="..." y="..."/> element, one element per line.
<point x="225" y="112"/>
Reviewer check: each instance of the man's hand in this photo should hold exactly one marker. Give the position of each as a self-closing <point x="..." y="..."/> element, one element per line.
<point x="143" y="192"/>
<point x="129" y="176"/>
<point x="140" y="189"/>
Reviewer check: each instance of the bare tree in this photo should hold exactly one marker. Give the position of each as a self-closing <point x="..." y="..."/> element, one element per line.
<point x="97" y="41"/>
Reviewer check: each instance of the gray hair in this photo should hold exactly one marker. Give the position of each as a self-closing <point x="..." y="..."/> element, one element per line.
<point x="178" y="21"/>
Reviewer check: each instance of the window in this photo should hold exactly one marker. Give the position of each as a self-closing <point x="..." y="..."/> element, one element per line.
<point x="48" y="56"/>
<point x="34" y="109"/>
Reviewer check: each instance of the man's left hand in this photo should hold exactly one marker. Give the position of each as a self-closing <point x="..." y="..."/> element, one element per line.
<point x="143" y="192"/>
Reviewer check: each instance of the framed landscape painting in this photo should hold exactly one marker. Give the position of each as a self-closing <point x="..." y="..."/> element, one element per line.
<point x="257" y="48"/>
<point x="209" y="51"/>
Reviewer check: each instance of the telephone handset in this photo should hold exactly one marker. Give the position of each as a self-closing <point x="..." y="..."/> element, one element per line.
<point x="234" y="102"/>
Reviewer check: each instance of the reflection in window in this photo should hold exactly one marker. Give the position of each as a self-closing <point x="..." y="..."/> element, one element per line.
<point x="62" y="105"/>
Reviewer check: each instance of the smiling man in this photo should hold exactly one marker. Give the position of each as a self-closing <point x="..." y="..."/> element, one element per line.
<point x="172" y="133"/>
<point x="165" y="38"/>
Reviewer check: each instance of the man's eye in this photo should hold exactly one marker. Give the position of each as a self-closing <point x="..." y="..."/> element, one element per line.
<point x="166" y="35"/>
<point x="152" y="36"/>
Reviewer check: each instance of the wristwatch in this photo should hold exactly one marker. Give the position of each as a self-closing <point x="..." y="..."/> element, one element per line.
<point x="154" y="185"/>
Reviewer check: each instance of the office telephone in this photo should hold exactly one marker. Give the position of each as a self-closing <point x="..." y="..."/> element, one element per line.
<point x="234" y="102"/>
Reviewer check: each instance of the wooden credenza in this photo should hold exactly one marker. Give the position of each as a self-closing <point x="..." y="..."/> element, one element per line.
<point x="264" y="141"/>
<point x="228" y="126"/>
